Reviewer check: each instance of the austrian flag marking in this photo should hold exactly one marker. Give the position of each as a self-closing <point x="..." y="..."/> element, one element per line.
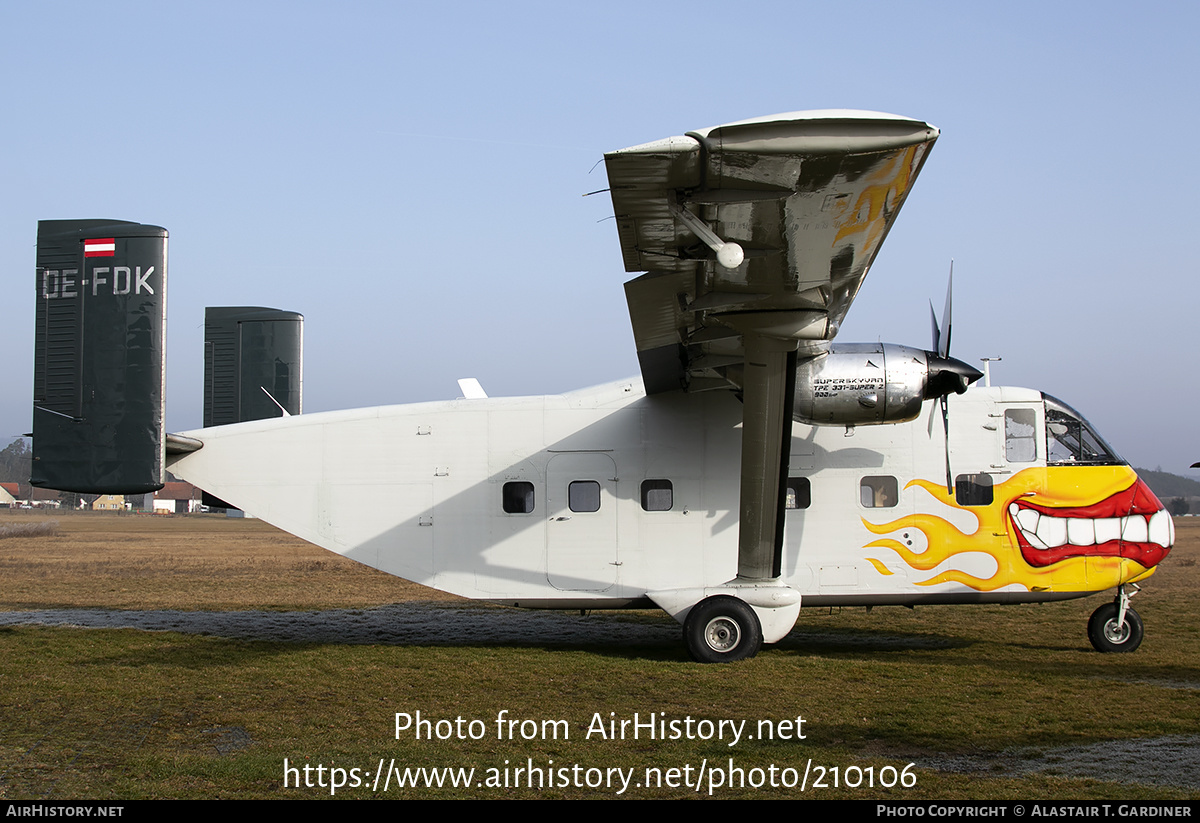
<point x="100" y="247"/>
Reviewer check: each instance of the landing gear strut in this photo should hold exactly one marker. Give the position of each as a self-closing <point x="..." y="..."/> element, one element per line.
<point x="1114" y="627"/>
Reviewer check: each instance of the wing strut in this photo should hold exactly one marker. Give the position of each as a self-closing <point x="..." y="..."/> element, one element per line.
<point x="769" y="394"/>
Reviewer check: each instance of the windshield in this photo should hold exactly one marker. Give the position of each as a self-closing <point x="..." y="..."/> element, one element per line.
<point x="1071" y="440"/>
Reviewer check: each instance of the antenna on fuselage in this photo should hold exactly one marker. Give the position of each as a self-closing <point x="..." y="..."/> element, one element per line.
<point x="286" y="413"/>
<point x="471" y="389"/>
<point x="987" y="372"/>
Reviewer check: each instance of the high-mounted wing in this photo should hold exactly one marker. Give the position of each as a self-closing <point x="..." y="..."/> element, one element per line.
<point x="755" y="237"/>
<point x="808" y="197"/>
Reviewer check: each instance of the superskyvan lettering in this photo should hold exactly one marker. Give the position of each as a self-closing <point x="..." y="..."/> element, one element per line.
<point x="116" y="280"/>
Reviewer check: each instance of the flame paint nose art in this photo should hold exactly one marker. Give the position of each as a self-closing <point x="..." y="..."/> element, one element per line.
<point x="1059" y="528"/>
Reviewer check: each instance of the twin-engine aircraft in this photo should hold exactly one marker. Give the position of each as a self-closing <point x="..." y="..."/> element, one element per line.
<point x="755" y="468"/>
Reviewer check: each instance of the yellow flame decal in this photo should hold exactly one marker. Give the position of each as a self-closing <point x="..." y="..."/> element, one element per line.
<point x="1053" y="486"/>
<point x="879" y="567"/>
<point x="886" y="185"/>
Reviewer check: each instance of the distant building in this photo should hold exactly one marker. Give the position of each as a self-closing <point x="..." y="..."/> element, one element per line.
<point x="44" y="498"/>
<point x="109" y="503"/>
<point x="177" y="497"/>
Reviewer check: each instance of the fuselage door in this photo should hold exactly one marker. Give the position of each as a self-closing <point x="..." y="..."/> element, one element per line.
<point x="581" y="536"/>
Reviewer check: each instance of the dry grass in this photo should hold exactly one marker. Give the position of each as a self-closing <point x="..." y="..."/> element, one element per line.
<point x="39" y="528"/>
<point x="142" y="561"/>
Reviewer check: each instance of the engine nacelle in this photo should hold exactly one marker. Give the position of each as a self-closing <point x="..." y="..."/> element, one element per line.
<point x="869" y="383"/>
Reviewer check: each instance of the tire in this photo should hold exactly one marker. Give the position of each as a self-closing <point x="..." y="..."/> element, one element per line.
<point x="1107" y="636"/>
<point x="722" y="629"/>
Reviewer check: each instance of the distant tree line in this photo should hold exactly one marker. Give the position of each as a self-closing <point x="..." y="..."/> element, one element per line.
<point x="16" y="462"/>
<point x="1164" y="484"/>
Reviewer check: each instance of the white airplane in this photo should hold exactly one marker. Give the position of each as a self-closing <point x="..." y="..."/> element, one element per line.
<point x="755" y="467"/>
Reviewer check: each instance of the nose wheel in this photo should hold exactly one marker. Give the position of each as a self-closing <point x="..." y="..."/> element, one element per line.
<point x="1114" y="627"/>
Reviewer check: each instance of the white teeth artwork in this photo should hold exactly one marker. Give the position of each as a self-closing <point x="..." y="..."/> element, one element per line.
<point x="1108" y="528"/>
<point x="1044" y="531"/>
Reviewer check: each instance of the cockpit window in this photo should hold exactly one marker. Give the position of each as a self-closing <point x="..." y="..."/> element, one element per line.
<point x="1070" y="440"/>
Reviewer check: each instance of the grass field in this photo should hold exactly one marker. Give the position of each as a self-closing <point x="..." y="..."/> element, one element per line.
<point x="983" y="702"/>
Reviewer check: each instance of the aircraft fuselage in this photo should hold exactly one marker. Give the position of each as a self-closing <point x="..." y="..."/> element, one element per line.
<point x="597" y="498"/>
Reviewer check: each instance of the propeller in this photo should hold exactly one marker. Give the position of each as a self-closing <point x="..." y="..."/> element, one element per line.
<point x="946" y="374"/>
<point x="941" y="342"/>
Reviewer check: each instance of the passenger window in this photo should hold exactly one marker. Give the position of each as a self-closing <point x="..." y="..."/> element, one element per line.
<point x="973" y="489"/>
<point x="518" y="497"/>
<point x="799" y="493"/>
<point x="1020" y="436"/>
<point x="657" y="495"/>
<point x="584" y="496"/>
<point x="879" y="492"/>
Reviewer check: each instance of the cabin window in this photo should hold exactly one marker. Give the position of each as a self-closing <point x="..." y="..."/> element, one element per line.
<point x="879" y="492"/>
<point x="1020" y="436"/>
<point x="584" y="496"/>
<point x="657" y="495"/>
<point x="518" y="497"/>
<point x="973" y="489"/>
<point x="799" y="493"/>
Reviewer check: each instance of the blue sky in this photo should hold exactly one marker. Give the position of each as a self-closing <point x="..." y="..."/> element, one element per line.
<point x="409" y="177"/>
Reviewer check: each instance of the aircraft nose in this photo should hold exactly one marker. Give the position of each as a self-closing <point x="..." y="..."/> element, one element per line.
<point x="948" y="375"/>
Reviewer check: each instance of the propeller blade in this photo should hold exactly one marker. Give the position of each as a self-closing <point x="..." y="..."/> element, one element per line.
<point x="935" y="345"/>
<point x="945" y="373"/>
<point x="946" y="430"/>
<point x="943" y="343"/>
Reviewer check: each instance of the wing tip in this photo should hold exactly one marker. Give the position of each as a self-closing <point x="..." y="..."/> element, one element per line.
<point x="841" y="115"/>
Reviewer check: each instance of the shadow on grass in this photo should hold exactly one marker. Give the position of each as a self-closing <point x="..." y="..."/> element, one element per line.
<point x="616" y="635"/>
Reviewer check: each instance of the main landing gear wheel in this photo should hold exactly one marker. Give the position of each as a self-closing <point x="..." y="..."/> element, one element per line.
<point x="722" y="629"/>
<point x="1107" y="635"/>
